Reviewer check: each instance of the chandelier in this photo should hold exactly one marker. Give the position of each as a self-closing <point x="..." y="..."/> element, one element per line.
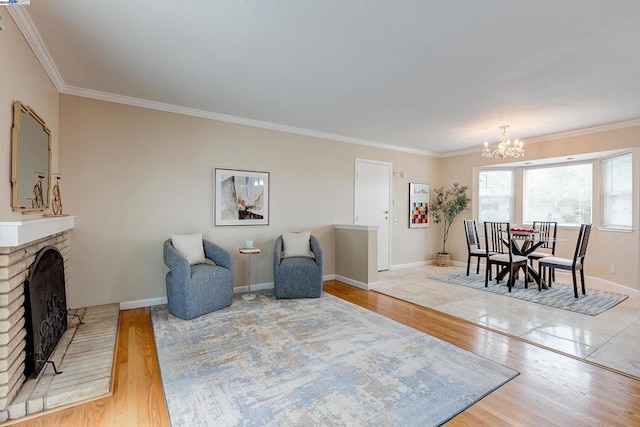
<point x="506" y="147"/>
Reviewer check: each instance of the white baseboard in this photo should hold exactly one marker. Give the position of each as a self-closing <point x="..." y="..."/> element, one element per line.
<point x="256" y="287"/>
<point x="355" y="283"/>
<point x="411" y="265"/>
<point x="129" y="305"/>
<point x="423" y="263"/>
<point x="621" y="288"/>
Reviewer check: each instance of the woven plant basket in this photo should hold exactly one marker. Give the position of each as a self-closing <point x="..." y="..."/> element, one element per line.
<point x="443" y="260"/>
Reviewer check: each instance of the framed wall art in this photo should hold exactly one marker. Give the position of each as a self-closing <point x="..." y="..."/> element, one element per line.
<point x="418" y="205"/>
<point x="241" y="197"/>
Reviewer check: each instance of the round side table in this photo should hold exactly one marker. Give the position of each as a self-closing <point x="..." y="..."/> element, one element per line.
<point x="249" y="251"/>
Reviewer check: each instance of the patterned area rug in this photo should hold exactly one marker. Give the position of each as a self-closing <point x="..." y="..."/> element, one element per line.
<point x="559" y="295"/>
<point x="311" y="362"/>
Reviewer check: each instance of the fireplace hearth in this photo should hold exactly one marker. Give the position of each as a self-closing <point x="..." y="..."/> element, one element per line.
<point x="45" y="309"/>
<point x="21" y="241"/>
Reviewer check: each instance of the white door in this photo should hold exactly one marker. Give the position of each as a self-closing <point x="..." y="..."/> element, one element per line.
<point x="373" y="202"/>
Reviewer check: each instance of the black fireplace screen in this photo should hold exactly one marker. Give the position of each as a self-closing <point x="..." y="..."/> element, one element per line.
<point x="45" y="308"/>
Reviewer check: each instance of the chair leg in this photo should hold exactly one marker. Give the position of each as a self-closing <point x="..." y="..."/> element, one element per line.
<point x="582" y="280"/>
<point x="575" y="284"/>
<point x="510" y="281"/>
<point x="540" y="277"/>
<point x="478" y="266"/>
<point x="468" y="263"/>
<point x="526" y="276"/>
<point x="487" y="274"/>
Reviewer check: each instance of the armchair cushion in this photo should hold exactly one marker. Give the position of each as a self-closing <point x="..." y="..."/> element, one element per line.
<point x="296" y="244"/>
<point x="190" y="246"/>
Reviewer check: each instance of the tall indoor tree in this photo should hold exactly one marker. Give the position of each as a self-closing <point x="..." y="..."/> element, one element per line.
<point x="446" y="205"/>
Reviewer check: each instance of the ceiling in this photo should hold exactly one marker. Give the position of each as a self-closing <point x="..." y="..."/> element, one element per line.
<point x="432" y="77"/>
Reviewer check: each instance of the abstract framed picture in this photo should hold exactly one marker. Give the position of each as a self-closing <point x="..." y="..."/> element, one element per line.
<point x="241" y="198"/>
<point x="418" y="205"/>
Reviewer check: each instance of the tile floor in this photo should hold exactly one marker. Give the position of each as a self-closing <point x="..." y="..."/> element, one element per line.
<point x="611" y="338"/>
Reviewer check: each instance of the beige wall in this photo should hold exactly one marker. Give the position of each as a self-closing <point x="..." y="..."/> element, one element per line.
<point x="133" y="176"/>
<point x="22" y="79"/>
<point x="605" y="247"/>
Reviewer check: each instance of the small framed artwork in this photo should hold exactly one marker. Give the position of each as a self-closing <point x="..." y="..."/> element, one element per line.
<point x="242" y="197"/>
<point x="418" y="205"/>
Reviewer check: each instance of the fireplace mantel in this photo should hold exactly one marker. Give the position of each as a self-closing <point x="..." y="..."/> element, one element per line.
<point x="16" y="233"/>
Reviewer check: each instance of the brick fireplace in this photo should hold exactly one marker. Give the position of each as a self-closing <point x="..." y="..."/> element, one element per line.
<point x="20" y="242"/>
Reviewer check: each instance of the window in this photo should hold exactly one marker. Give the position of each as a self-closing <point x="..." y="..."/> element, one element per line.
<point x="617" y="180"/>
<point x="558" y="193"/>
<point x="495" y="195"/>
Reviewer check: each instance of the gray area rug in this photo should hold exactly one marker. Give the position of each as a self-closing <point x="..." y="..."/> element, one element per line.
<point x="312" y="362"/>
<point x="559" y="295"/>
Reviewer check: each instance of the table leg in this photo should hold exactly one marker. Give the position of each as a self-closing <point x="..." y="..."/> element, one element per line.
<point x="249" y="296"/>
<point x="537" y="277"/>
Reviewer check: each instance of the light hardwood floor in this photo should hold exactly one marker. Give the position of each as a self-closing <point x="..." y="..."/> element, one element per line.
<point x="137" y="398"/>
<point x="552" y="389"/>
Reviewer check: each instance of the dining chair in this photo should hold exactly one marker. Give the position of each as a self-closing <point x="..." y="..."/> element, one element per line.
<point x="551" y="263"/>
<point x="499" y="247"/>
<point x="474" y="248"/>
<point x="546" y="232"/>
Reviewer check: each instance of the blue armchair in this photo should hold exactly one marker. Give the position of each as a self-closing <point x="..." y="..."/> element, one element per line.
<point x="194" y="290"/>
<point x="298" y="276"/>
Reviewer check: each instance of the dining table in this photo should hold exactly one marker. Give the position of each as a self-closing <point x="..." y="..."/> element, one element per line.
<point x="525" y="241"/>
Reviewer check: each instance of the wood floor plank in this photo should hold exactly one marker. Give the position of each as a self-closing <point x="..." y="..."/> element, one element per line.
<point x="552" y="389"/>
<point x="137" y="398"/>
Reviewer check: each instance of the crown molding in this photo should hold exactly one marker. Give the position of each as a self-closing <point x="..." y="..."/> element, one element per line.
<point x="585" y="131"/>
<point x="170" y="108"/>
<point x="31" y="34"/>
<point x="555" y="136"/>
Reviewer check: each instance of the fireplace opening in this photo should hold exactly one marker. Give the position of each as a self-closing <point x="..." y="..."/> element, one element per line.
<point x="45" y="308"/>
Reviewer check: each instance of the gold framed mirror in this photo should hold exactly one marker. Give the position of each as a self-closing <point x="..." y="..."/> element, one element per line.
<point x="30" y="160"/>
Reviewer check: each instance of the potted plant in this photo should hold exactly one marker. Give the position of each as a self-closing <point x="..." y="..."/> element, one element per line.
<point x="444" y="208"/>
